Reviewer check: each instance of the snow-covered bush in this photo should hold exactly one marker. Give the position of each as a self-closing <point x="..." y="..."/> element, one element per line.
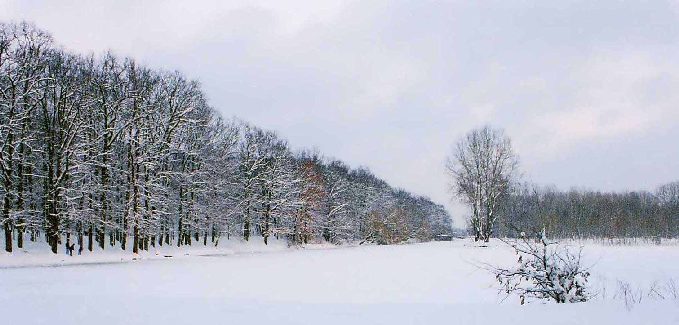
<point x="545" y="270"/>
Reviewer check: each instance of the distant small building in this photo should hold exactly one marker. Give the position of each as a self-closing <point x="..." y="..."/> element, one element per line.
<point x="444" y="237"/>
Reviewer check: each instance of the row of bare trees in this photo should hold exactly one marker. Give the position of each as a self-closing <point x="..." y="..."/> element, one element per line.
<point x="591" y="214"/>
<point x="103" y="152"/>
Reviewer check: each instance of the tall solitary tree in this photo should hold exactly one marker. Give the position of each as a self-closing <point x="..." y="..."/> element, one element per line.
<point x="482" y="166"/>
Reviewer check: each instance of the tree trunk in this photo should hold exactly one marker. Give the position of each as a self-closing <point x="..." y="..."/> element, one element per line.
<point x="90" y="240"/>
<point x="6" y="217"/>
<point x="135" y="243"/>
<point x="180" y="230"/>
<point x="80" y="240"/>
<point x="246" y="230"/>
<point x="20" y="236"/>
<point x="8" y="236"/>
<point x="21" y="223"/>
<point x="267" y="220"/>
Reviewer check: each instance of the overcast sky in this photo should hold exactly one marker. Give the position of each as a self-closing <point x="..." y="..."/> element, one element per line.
<point x="587" y="90"/>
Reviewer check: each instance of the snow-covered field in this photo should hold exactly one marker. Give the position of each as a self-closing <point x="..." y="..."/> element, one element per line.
<point x="435" y="283"/>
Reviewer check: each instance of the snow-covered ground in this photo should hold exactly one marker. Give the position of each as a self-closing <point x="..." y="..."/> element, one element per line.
<point x="39" y="253"/>
<point x="435" y="283"/>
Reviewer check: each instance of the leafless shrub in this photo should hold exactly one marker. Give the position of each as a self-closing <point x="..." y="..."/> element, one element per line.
<point x="672" y="289"/>
<point x="628" y="294"/>
<point x="667" y="290"/>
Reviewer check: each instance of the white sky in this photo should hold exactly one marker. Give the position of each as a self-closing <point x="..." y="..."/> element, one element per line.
<point x="588" y="90"/>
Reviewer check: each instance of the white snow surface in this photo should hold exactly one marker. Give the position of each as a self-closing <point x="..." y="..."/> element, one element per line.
<point x="436" y="283"/>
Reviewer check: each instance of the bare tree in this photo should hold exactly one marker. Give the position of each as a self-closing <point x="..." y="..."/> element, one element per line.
<point x="482" y="166"/>
<point x="22" y="78"/>
<point x="334" y="223"/>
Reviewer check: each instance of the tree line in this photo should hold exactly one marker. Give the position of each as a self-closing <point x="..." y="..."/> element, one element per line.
<point x="483" y="169"/>
<point x="101" y="151"/>
<point x="591" y="214"/>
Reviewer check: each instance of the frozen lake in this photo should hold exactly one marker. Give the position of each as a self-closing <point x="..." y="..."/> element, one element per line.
<point x="403" y="284"/>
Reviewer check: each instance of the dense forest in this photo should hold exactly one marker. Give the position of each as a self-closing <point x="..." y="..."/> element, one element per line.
<point x="103" y="152"/>
<point x="591" y="214"/>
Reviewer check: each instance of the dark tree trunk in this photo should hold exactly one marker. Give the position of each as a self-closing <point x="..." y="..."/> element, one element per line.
<point x="101" y="237"/>
<point x="180" y="226"/>
<point x="21" y="224"/>
<point x="7" y="175"/>
<point x="5" y="215"/>
<point x="267" y="218"/>
<point x="90" y="240"/>
<point x="80" y="239"/>
<point x="246" y="230"/>
<point x="180" y="229"/>
<point x="20" y="236"/>
<point x="8" y="236"/>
